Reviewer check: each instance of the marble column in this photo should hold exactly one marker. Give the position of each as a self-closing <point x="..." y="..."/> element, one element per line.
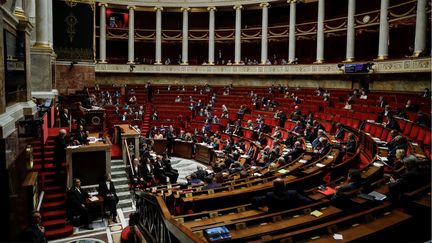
<point x="291" y="35"/>
<point x="185" y="35"/>
<point x="19" y="11"/>
<point x="131" y="35"/>
<point x="264" y="32"/>
<point x="237" y="40"/>
<point x="383" y="31"/>
<point x="50" y="24"/>
<point x="30" y="9"/>
<point x="420" y="31"/>
<point x="349" y="57"/>
<point x="102" y="33"/>
<point x="158" y="54"/>
<point x="320" y="32"/>
<point x="211" y="48"/>
<point x="42" y="38"/>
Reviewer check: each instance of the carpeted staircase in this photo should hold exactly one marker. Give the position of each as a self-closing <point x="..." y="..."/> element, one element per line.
<point x="53" y="207"/>
<point x="145" y="127"/>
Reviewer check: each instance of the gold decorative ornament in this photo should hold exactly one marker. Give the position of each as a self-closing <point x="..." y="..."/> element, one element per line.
<point x="95" y="120"/>
<point x="71" y="21"/>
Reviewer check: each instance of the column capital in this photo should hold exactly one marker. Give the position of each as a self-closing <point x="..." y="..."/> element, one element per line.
<point x="211" y="8"/>
<point x="103" y="5"/>
<point x="158" y="8"/>
<point x="264" y="5"/>
<point x="294" y="1"/>
<point x="236" y="7"/>
<point x="131" y="7"/>
<point x="185" y="9"/>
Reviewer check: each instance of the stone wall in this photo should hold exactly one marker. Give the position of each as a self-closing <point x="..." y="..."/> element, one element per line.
<point x="70" y="78"/>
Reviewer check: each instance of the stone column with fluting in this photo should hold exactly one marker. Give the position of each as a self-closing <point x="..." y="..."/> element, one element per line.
<point x="42" y="23"/>
<point x="420" y="31"/>
<point x="158" y="54"/>
<point x="185" y="36"/>
<point x="30" y="10"/>
<point x="19" y="11"/>
<point x="264" y="32"/>
<point x="237" y="40"/>
<point x="211" y="44"/>
<point x="291" y="34"/>
<point x="383" y="31"/>
<point x="320" y="32"/>
<point x="50" y="24"/>
<point x="102" y="33"/>
<point x="349" y="57"/>
<point x="131" y="35"/>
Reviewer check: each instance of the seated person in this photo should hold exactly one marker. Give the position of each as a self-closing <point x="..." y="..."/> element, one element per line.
<point x="340" y="132"/>
<point x="414" y="177"/>
<point x="81" y="136"/>
<point x="169" y="170"/>
<point x="77" y="204"/>
<point x="35" y="232"/>
<point x="350" y="144"/>
<point x="210" y="183"/>
<point x="280" y="198"/>
<point x="136" y="172"/>
<point x="108" y="192"/>
<point x="194" y="180"/>
<point x="354" y="182"/>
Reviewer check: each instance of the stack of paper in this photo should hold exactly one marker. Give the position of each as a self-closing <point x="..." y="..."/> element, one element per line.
<point x="316" y="213"/>
<point x="319" y="165"/>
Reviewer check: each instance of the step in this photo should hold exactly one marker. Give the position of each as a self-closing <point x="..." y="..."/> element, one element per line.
<point x="53" y="214"/>
<point x="123" y="180"/>
<point x="121" y="172"/>
<point x="117" y="166"/>
<point x="55" y="196"/>
<point x="59" y="233"/>
<point x="52" y="189"/>
<point x="53" y="222"/>
<point x="122" y="188"/>
<point x="124" y="203"/>
<point x="50" y="205"/>
<point x="124" y="195"/>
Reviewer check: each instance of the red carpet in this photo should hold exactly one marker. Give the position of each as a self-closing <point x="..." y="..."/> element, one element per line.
<point x="116" y="151"/>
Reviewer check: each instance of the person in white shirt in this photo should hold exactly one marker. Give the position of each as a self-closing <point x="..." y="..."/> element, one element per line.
<point x="108" y="192"/>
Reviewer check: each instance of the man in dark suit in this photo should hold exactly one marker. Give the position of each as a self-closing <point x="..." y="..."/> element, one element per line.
<point x="354" y="182"/>
<point x="148" y="171"/>
<point x="60" y="153"/>
<point x="108" y="192"/>
<point x="280" y="198"/>
<point x="77" y="205"/>
<point x="35" y="232"/>
<point x="340" y="132"/>
<point x="294" y="153"/>
<point x="414" y="177"/>
<point x="351" y="144"/>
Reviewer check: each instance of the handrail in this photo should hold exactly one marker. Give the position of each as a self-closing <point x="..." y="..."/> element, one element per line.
<point x="158" y="223"/>
<point x="128" y="157"/>
<point x="41" y="196"/>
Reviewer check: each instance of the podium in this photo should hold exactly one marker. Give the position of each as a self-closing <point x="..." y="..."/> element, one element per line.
<point x="88" y="162"/>
<point x="129" y="136"/>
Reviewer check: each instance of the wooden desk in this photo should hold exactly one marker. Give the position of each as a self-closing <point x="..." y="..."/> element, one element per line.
<point x="204" y="153"/>
<point x="183" y="149"/>
<point x="88" y="162"/>
<point x="159" y="146"/>
<point x="97" y="203"/>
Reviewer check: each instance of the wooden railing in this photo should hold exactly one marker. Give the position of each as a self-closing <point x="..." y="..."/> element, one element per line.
<point x="157" y="223"/>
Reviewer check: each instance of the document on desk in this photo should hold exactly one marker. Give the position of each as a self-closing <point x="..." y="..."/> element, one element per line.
<point x="316" y="213"/>
<point x="94" y="199"/>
